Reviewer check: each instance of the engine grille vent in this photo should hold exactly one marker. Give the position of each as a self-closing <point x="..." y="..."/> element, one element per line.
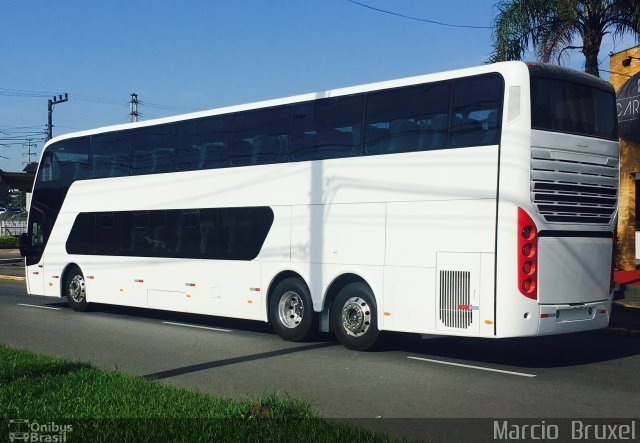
<point x="574" y="188"/>
<point x="455" y="293"/>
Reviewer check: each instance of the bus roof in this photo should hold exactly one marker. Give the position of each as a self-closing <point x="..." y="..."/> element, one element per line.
<point x="407" y="81"/>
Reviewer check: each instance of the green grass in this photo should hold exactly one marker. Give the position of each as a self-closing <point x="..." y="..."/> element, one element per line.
<point x="112" y="406"/>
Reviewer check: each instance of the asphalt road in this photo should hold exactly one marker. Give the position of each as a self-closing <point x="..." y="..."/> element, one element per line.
<point x="582" y="375"/>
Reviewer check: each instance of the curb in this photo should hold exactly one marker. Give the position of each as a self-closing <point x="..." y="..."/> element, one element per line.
<point x="11" y="277"/>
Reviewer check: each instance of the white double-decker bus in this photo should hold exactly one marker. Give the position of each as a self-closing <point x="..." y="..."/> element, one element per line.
<point x="478" y="202"/>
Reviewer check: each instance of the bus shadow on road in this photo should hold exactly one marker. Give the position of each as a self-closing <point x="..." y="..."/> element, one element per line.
<point x="211" y="321"/>
<point x="235" y="360"/>
<point x="181" y="317"/>
<point x="526" y="352"/>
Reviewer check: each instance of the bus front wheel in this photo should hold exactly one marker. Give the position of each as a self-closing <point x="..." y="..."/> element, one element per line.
<point x="291" y="310"/>
<point x="75" y="290"/>
<point x="354" y="317"/>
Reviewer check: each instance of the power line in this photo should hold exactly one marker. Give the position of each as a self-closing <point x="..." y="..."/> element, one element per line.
<point x="11" y="127"/>
<point x="23" y="93"/>
<point x="616" y="73"/>
<point x="424" y="20"/>
<point x="9" y="92"/>
<point x="160" y="106"/>
<point x="18" y="133"/>
<point x="20" y="136"/>
<point x="611" y="72"/>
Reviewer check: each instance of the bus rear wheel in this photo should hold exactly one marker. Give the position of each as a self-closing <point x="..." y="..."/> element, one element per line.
<point x="354" y="317"/>
<point x="291" y="310"/>
<point x="75" y="290"/>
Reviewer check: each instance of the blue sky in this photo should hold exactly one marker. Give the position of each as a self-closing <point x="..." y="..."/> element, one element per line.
<point x="183" y="56"/>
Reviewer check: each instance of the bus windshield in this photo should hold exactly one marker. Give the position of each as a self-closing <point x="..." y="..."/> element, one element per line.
<point x="560" y="105"/>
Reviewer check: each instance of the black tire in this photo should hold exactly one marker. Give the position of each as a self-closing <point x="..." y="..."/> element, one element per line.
<point x="291" y="310"/>
<point x="354" y="317"/>
<point x="75" y="290"/>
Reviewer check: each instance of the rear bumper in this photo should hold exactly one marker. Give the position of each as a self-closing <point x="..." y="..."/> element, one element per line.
<point x="563" y="319"/>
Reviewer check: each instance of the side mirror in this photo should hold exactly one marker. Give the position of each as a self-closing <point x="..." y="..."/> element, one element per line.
<point x="25" y="244"/>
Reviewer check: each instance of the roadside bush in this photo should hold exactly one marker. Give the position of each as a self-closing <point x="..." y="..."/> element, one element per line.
<point x="8" y="242"/>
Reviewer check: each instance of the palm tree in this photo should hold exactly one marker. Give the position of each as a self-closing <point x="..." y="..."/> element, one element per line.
<point x="548" y="27"/>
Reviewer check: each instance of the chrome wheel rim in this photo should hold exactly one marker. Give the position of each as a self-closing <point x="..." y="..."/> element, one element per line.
<point x="356" y="316"/>
<point x="76" y="289"/>
<point x="290" y="309"/>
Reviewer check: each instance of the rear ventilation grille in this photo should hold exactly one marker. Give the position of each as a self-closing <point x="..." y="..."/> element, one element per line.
<point x="574" y="188"/>
<point x="455" y="299"/>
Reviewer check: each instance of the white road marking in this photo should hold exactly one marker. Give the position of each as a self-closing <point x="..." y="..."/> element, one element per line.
<point x="521" y="374"/>
<point x="38" y="306"/>
<point x="196" y="326"/>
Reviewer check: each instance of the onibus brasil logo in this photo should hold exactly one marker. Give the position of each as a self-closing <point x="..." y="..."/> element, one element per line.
<point x="34" y="431"/>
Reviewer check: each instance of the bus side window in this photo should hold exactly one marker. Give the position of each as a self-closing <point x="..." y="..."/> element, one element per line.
<point x="327" y="128"/>
<point x="208" y="247"/>
<point x="377" y="138"/>
<point x="46" y="173"/>
<point x="36" y="237"/>
<point x="260" y="137"/>
<point x="183" y="233"/>
<point x="405" y="133"/>
<point x="112" y="155"/>
<point x="406" y="119"/>
<point x="142" y="233"/>
<point x="242" y="231"/>
<point x="141" y="163"/>
<point x="163" y="160"/>
<point x="66" y="161"/>
<point x="106" y="233"/>
<point x="438" y="130"/>
<point x="203" y="144"/>
<point x="477" y="102"/>
<point x="82" y="236"/>
<point x="153" y="150"/>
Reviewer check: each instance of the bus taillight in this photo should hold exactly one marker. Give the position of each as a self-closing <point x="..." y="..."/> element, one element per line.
<point x="527" y="255"/>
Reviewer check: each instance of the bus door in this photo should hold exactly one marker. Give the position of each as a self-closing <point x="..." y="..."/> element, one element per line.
<point x="31" y="247"/>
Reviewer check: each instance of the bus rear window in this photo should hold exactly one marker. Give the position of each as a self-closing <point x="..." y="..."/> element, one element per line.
<point x="562" y="106"/>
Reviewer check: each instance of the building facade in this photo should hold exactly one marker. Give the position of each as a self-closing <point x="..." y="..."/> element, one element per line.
<point x="624" y="65"/>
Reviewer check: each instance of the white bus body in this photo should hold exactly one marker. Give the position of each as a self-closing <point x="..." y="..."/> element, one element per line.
<point x="433" y="238"/>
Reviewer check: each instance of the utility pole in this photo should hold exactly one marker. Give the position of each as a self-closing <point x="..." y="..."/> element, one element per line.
<point x="133" y="108"/>
<point x="29" y="154"/>
<point x="55" y="101"/>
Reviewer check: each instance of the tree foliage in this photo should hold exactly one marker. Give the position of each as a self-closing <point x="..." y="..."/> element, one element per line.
<point x="548" y="27"/>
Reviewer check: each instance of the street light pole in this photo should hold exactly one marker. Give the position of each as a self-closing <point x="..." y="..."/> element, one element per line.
<point x="50" y="104"/>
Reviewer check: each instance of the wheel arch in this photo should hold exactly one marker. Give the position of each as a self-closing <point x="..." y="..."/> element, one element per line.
<point x="332" y="291"/>
<point x="65" y="274"/>
<point x="282" y="275"/>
